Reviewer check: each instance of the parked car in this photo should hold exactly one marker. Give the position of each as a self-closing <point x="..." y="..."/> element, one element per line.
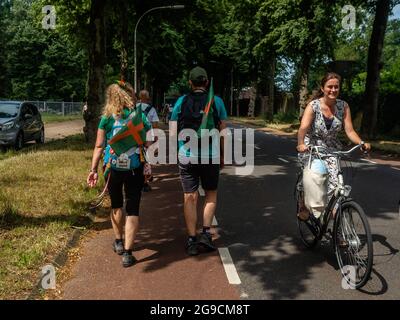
<point x="20" y="122"/>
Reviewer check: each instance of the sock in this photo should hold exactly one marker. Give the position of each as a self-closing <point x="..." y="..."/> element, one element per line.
<point x="128" y="251"/>
<point x="193" y="239"/>
<point x="118" y="240"/>
<point x="206" y="229"/>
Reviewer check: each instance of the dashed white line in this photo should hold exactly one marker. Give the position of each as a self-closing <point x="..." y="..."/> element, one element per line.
<point x="214" y="222"/>
<point x="283" y="160"/>
<point x="366" y="160"/>
<point x="201" y="191"/>
<point x="229" y="267"/>
<point x="398" y="169"/>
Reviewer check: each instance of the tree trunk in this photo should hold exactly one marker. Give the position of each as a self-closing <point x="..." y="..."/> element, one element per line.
<point x="269" y="112"/>
<point x="303" y="91"/>
<point x="238" y="98"/>
<point x="124" y="40"/>
<point x="96" y="78"/>
<point x="374" y="65"/>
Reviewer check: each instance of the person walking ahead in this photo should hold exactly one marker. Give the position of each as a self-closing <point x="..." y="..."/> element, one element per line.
<point x="151" y="113"/>
<point x="123" y="163"/>
<point x="204" y="165"/>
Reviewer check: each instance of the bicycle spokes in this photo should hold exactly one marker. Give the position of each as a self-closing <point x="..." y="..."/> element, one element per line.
<point x="354" y="244"/>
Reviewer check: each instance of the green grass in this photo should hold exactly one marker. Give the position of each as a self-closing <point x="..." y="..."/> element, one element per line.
<point x="51" y="117"/>
<point x="43" y="195"/>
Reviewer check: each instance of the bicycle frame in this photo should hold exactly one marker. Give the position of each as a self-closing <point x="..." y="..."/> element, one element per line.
<point x="340" y="195"/>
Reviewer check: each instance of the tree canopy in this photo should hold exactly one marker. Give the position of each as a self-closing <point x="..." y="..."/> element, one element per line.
<point x="273" y="46"/>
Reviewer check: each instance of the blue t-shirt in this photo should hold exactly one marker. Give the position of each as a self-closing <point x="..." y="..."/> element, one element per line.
<point x="214" y="147"/>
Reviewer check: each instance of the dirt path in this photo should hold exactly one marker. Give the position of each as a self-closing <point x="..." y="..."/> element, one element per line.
<point x="59" y="130"/>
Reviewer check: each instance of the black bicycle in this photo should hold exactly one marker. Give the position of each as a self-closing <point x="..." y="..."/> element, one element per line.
<point x="351" y="235"/>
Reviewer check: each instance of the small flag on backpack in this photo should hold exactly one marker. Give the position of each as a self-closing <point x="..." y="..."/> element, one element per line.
<point x="207" y="121"/>
<point x="131" y="135"/>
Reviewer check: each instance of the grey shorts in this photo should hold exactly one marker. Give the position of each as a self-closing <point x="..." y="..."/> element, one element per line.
<point x="192" y="174"/>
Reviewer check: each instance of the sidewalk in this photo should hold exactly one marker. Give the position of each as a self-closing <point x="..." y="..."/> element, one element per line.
<point x="59" y="130"/>
<point x="163" y="270"/>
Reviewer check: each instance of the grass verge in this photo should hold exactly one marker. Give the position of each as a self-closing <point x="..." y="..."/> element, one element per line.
<point x="43" y="196"/>
<point x="51" y="117"/>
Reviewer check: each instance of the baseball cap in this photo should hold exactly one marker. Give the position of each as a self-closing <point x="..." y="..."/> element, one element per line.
<point x="198" y="74"/>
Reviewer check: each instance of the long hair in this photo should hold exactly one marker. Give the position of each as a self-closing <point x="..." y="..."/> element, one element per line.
<point x="318" y="93"/>
<point x="116" y="99"/>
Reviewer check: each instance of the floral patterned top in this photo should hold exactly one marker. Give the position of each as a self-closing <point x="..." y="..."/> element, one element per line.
<point x="318" y="134"/>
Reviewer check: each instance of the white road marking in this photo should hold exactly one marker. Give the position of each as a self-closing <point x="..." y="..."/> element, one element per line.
<point x="396" y="168"/>
<point x="214" y="222"/>
<point x="366" y="160"/>
<point x="283" y="160"/>
<point x="201" y="191"/>
<point x="257" y="147"/>
<point x="244" y="295"/>
<point x="229" y="267"/>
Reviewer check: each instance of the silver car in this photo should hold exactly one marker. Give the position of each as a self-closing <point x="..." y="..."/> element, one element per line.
<point x="20" y="122"/>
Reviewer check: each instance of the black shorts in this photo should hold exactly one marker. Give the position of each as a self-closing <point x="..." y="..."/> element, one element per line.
<point x="132" y="181"/>
<point x="191" y="174"/>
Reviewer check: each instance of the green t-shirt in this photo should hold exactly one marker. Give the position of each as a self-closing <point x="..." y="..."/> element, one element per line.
<point x="106" y="123"/>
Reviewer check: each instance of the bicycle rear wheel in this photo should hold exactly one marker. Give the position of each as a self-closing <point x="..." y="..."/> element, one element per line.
<point x="353" y="244"/>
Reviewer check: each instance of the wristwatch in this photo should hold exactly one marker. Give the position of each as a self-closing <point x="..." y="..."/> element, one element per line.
<point x="92" y="171"/>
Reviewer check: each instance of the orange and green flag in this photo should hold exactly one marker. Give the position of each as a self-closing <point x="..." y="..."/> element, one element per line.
<point x="133" y="134"/>
<point x="207" y="121"/>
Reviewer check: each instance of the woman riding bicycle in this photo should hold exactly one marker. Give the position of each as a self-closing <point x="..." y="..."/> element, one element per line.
<point x="324" y="117"/>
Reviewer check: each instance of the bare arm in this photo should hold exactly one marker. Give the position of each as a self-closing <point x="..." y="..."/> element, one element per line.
<point x="306" y="121"/>
<point x="154" y="124"/>
<point x="98" y="150"/>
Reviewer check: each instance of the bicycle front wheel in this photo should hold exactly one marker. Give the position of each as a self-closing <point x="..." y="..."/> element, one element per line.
<point x="353" y="244"/>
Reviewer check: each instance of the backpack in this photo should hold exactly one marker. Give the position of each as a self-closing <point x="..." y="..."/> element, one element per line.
<point x="127" y="161"/>
<point x="147" y="110"/>
<point x="192" y="109"/>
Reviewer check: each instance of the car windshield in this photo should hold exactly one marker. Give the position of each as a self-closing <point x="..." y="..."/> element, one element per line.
<point x="8" y="110"/>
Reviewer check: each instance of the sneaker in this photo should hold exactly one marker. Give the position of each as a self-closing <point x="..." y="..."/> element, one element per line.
<point x="128" y="259"/>
<point x="118" y="247"/>
<point x="205" y="240"/>
<point x="146" y="187"/>
<point x="191" y="248"/>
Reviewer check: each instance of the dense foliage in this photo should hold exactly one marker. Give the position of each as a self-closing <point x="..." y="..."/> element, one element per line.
<point x="274" y="46"/>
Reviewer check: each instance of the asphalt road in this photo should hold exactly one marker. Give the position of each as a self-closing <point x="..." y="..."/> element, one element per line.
<point x="256" y="214"/>
<point x="255" y="227"/>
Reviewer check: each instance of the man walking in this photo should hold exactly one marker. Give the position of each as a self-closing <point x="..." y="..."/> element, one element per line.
<point x="200" y="164"/>
<point x="151" y="113"/>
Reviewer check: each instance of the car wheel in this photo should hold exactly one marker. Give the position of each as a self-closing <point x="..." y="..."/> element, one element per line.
<point x="19" y="142"/>
<point x="40" y="140"/>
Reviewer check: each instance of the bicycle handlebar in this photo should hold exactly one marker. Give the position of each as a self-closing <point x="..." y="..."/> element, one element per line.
<point x="317" y="149"/>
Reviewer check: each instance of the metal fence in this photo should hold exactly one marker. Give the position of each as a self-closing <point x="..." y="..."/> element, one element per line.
<point x="61" y="108"/>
